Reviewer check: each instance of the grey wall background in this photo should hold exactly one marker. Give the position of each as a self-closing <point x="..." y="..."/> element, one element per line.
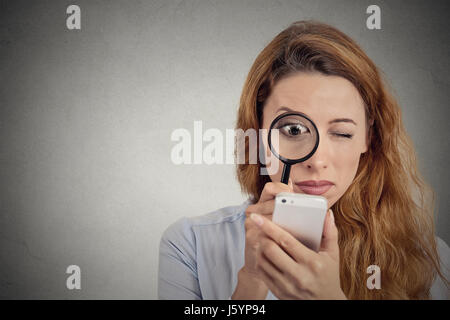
<point x="86" y="118"/>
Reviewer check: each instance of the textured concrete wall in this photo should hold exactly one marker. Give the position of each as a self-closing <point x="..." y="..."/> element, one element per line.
<point x="86" y="117"/>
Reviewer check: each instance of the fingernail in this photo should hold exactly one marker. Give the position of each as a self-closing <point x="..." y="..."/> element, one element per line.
<point x="332" y="216"/>
<point x="258" y="220"/>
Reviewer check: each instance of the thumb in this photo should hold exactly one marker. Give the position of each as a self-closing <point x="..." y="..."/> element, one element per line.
<point x="330" y="236"/>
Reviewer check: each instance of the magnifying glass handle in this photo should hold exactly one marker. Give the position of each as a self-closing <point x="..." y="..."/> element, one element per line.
<point x="285" y="174"/>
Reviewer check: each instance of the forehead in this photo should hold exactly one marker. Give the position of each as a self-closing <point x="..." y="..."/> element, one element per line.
<point x="317" y="95"/>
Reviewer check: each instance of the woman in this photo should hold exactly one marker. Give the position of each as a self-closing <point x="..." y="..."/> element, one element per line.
<point x="364" y="166"/>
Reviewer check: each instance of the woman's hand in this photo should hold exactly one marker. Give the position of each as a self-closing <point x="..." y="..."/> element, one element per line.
<point x="250" y="285"/>
<point x="291" y="270"/>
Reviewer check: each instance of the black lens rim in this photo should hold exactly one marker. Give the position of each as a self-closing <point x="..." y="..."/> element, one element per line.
<point x="286" y="160"/>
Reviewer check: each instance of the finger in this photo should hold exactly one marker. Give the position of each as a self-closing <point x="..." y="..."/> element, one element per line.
<point x="271" y="189"/>
<point x="269" y="281"/>
<point x="280" y="260"/>
<point x="264" y="208"/>
<point x="329" y="241"/>
<point x="284" y="239"/>
<point x="274" y="276"/>
<point x="266" y="263"/>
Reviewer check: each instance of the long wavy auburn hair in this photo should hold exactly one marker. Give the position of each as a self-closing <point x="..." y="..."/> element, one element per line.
<point x="385" y="217"/>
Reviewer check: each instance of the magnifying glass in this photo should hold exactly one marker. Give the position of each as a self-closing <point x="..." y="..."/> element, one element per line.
<point x="293" y="138"/>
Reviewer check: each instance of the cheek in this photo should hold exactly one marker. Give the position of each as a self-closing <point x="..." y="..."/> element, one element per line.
<point x="346" y="165"/>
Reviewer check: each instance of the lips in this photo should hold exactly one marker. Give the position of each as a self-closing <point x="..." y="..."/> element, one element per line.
<point x="315" y="187"/>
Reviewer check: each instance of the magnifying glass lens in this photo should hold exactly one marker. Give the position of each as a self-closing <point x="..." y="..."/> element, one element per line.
<point x="293" y="137"/>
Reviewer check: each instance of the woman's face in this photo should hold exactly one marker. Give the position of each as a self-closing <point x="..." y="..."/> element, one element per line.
<point x="336" y="107"/>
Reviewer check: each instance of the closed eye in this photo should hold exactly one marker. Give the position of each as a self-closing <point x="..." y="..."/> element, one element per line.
<point x="343" y="135"/>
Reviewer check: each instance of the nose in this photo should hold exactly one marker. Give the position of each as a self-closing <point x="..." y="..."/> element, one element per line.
<point x="319" y="159"/>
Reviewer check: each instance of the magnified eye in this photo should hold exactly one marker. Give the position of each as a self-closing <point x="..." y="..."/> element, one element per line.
<point x="294" y="130"/>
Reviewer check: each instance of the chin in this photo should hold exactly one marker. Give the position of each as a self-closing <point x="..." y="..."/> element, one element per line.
<point x="331" y="201"/>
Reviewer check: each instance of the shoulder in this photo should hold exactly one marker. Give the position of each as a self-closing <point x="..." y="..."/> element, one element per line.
<point x="444" y="255"/>
<point x="443" y="249"/>
<point x="184" y="228"/>
<point x="439" y="289"/>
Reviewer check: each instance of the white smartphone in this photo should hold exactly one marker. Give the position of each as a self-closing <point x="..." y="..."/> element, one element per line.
<point x="302" y="215"/>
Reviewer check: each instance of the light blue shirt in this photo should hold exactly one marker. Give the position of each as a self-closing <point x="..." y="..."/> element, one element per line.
<point x="199" y="257"/>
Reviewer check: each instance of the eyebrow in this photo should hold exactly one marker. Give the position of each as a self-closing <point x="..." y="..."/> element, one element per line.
<point x="342" y="120"/>
<point x="285" y="109"/>
<point x="348" y="120"/>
